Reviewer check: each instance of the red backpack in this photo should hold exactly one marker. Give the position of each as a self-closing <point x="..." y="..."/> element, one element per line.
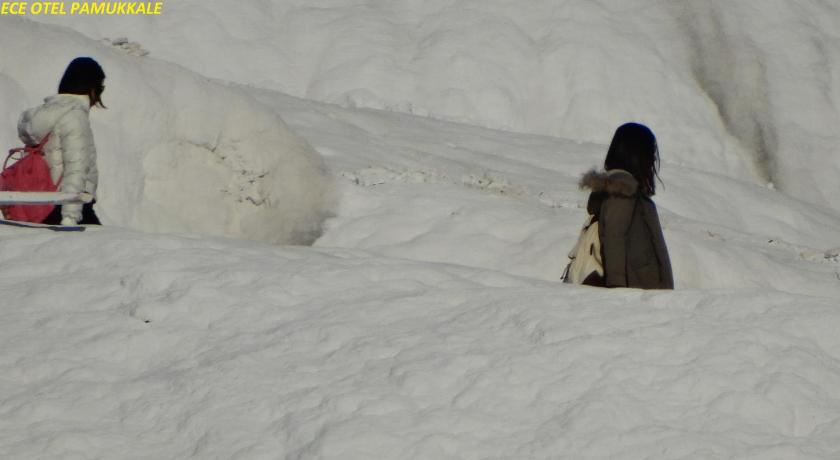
<point x="30" y="173"/>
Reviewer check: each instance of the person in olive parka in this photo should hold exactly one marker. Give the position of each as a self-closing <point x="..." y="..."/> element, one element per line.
<point x="633" y="247"/>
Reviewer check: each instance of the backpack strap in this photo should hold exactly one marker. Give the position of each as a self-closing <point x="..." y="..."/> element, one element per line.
<point x="28" y="149"/>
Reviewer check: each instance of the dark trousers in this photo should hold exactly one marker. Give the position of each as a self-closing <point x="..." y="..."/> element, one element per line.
<point x="88" y="216"/>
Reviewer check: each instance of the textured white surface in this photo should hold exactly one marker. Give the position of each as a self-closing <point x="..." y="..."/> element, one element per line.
<point x="426" y="322"/>
<point x="168" y="347"/>
<point x="736" y="87"/>
<point x="176" y="151"/>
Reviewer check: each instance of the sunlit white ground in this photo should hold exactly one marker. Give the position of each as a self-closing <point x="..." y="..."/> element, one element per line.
<point x="426" y="321"/>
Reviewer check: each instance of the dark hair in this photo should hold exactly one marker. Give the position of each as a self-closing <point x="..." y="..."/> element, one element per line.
<point x="633" y="149"/>
<point x="84" y="76"/>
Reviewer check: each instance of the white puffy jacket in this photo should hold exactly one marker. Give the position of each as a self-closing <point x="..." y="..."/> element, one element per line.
<point x="70" y="152"/>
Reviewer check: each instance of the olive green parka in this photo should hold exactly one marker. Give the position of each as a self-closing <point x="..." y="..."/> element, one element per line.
<point x="633" y="247"/>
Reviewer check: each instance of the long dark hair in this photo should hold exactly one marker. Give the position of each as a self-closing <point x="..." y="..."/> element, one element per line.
<point x="84" y="76"/>
<point x="633" y="149"/>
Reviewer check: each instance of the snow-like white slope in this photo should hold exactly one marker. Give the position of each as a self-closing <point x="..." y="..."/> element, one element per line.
<point x="176" y="347"/>
<point x="426" y="322"/>
<point x="736" y="87"/>
<point x="428" y="190"/>
<point x="177" y="152"/>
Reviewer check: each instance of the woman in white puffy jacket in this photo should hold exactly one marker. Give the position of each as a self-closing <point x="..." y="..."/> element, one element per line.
<point x="70" y="151"/>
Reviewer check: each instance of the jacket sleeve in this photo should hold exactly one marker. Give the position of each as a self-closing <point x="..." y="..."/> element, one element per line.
<point x="666" y="275"/>
<point x="614" y="222"/>
<point x="78" y="153"/>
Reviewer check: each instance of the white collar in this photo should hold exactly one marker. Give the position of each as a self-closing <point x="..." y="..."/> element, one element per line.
<point x="82" y="100"/>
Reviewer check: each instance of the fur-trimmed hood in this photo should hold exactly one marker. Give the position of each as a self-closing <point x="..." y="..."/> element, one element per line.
<point x="614" y="182"/>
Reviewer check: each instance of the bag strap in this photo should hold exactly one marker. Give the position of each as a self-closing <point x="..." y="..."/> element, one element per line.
<point x="28" y="149"/>
<point x="590" y="220"/>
